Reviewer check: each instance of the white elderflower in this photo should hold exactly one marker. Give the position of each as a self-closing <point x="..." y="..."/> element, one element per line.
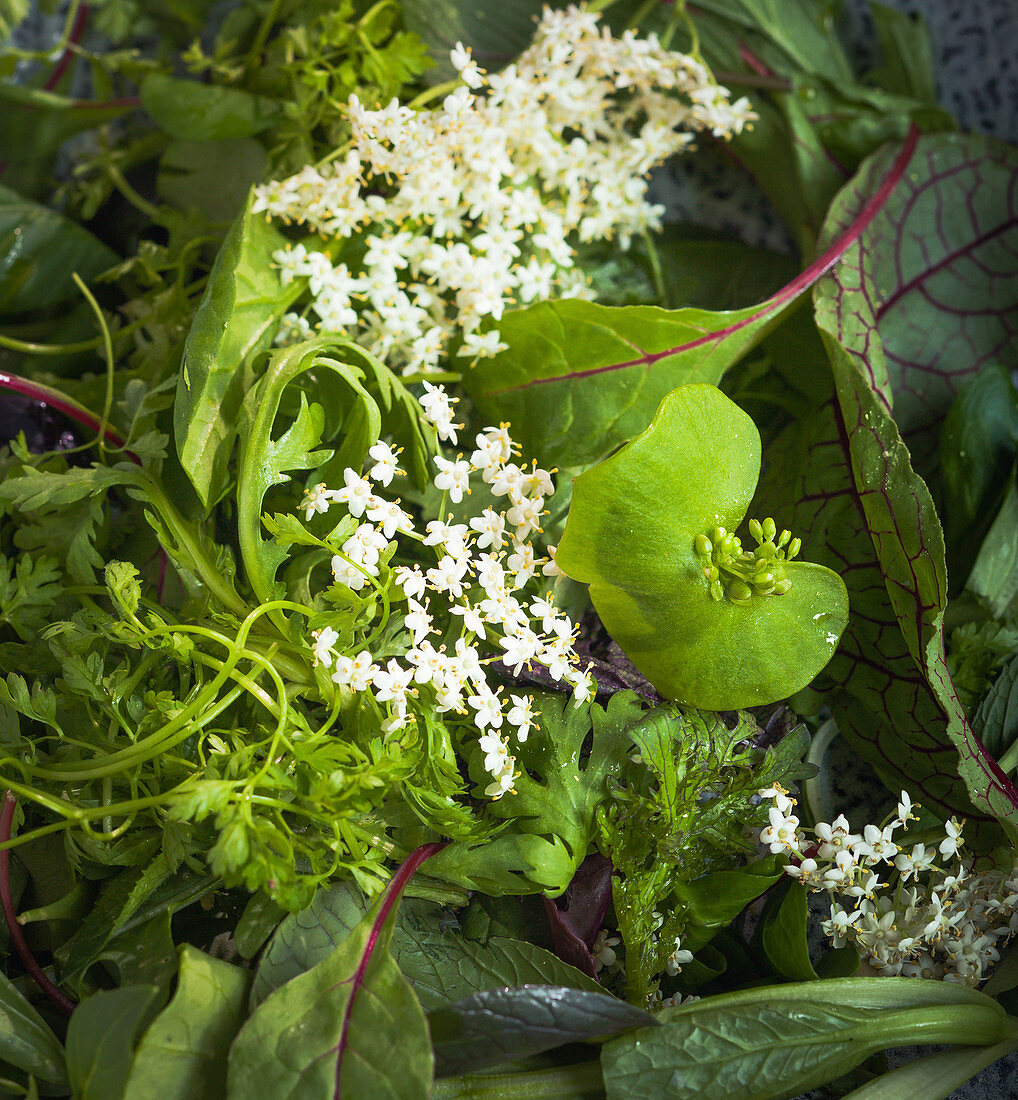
<point x="322" y="649"/>
<point x="386" y="462"/>
<point x="316" y="501"/>
<point x="356" y="673"/>
<point x="356" y="493"/>
<point x="521" y="715"/>
<point x="453" y="477"/>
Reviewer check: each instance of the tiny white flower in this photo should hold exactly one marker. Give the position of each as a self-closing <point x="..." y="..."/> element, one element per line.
<point x="386" y="465"/>
<point x="453" y="477"/>
<point x="325" y="639"/>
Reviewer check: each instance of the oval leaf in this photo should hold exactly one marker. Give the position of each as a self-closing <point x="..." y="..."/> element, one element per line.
<point x="501" y="1025"/>
<point x="25" y="1040"/>
<point x="630" y="536"/>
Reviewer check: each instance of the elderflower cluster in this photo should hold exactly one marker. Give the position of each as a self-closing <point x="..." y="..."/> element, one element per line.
<point x="450" y="215"/>
<point x="906" y="911"/>
<point x="480" y="576"/>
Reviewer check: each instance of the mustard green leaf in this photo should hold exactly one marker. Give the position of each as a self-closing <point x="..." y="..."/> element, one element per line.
<point x="634" y="527"/>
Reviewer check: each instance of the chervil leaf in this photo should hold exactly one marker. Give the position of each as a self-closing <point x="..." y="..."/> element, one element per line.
<point x="28" y="589"/>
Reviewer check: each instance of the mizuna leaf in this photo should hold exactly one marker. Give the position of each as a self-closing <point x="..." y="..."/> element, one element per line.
<point x="348" y="1028"/>
<point x="580" y="378"/>
<point x="235" y="320"/>
<point x="503" y="1025"/>
<point x="934" y="274"/>
<point x="632" y="533"/>
<point x="180" y="1057"/>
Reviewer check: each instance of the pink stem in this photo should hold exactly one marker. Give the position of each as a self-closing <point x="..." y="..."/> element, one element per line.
<point x="65" y="58"/>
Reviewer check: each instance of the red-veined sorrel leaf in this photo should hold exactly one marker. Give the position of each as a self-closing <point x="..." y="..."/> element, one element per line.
<point x="579" y="378"/>
<point x="939" y="262"/>
<point x="348" y="1028"/>
<point x="935" y="274"/>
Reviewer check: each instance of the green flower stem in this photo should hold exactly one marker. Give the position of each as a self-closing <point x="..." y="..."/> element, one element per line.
<point x="579" y="1082"/>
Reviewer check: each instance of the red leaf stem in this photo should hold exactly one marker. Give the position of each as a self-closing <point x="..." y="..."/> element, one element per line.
<point x="802" y="282"/>
<point x="48" y="396"/>
<point x="65" y="58"/>
<point x="65" y="1004"/>
<point x="392" y="897"/>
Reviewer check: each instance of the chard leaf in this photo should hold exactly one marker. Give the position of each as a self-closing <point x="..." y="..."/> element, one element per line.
<point x="180" y="1057"/>
<point x="25" y="1039"/>
<point x="39" y="251"/>
<point x="632" y="533"/>
<point x="349" y="1027"/>
<point x="440" y="963"/>
<point x="770" y="1042"/>
<point x="503" y="1025"/>
<point x="235" y="320"/>
<point x="192" y="111"/>
<point x="913" y="275"/>
<point x="101" y="1038"/>
<point x="579" y="378"/>
<point x="934" y="276"/>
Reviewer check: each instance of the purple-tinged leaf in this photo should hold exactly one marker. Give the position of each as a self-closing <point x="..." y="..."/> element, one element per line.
<point x="911" y="721"/>
<point x="934" y="276"/>
<point x="578" y="915"/>
<point x="503" y="1025"/>
<point x="579" y="378"/>
<point x="348" y="1028"/>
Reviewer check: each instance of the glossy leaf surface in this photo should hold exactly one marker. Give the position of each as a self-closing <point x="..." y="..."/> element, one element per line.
<point x="630" y="536"/>
<point x="503" y="1025"/>
<point x="25" y="1039"/>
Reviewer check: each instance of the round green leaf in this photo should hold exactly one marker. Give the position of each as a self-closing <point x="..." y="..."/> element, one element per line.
<point x="630" y="536"/>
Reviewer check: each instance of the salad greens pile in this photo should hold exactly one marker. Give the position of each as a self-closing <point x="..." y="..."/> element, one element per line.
<point x="403" y="683"/>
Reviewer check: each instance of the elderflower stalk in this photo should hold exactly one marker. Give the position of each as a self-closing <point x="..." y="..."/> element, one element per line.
<point x="474" y="606"/>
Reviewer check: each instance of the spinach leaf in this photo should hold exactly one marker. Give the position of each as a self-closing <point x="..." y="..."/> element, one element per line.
<point x="191" y="111"/>
<point x="771" y="1042"/>
<point x="502" y="1025"/>
<point x="25" y="1039"/>
<point x="181" y="1055"/>
<point x="39" y="251"/>
<point x="440" y="963"/>
<point x="235" y="320"/>
<point x="348" y="1027"/>
<point x="101" y="1038"/>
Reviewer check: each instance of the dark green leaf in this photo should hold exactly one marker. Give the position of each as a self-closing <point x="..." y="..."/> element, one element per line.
<point x="190" y="111"/>
<point x="934" y="1076"/>
<point x="236" y="319"/>
<point x="39" y="251"/>
<point x="438" y="961"/>
<point x="101" y="1038"/>
<point x="906" y="52"/>
<point x="25" y="1040"/>
<point x="496" y="30"/>
<point x="717" y="899"/>
<point x="503" y="1025"/>
<point x="631" y="534"/>
<point x="182" y="1055"/>
<point x="770" y="1042"/>
<point x="781" y="933"/>
<point x="995" y="721"/>
<point x="978" y="446"/>
<point x="211" y="177"/>
<point x="259" y="920"/>
<point x="994" y="576"/>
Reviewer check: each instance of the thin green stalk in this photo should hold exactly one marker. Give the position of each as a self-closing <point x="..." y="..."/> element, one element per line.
<point x="578" y="1082"/>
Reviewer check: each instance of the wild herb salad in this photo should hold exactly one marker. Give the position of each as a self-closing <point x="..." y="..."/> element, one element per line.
<point x="436" y="590"/>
